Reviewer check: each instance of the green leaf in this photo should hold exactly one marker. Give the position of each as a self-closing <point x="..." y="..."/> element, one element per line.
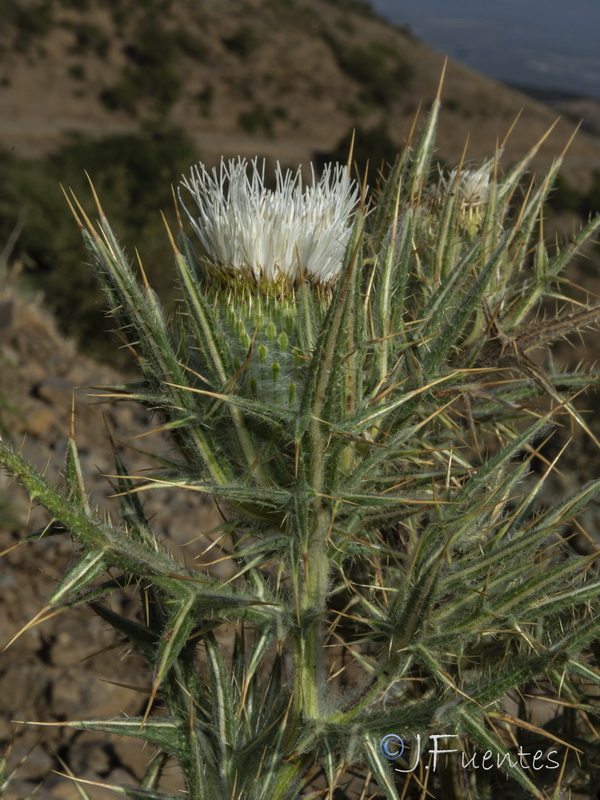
<point x="515" y="671"/>
<point x="160" y="731"/>
<point x="138" y="634"/>
<point x="174" y="637"/>
<point x="79" y="576"/>
<point x="380" y="768"/>
<point x="74" y="478"/>
<point x="359" y="422"/>
<point x="325" y="364"/>
<point x="224" y="718"/>
<point x="487" y="741"/>
<point x="143" y="794"/>
<point x="436" y="351"/>
<point x="420" y="164"/>
<point x="585" y="671"/>
<point x="132" y="511"/>
<point x="205" y="329"/>
<point x="571" y="597"/>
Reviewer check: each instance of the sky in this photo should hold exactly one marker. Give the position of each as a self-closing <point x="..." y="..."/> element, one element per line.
<point x="542" y="43"/>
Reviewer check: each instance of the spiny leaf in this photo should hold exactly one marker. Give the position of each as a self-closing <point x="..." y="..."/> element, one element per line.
<point x="223" y="708"/>
<point x="127" y="791"/>
<point x="380" y="767"/>
<point x="160" y="731"/>
<point x="138" y="634"/>
<point x="488" y="741"/>
<point x="79" y="576"/>
<point x="585" y="671"/>
<point x="74" y="478"/>
<point x="205" y="327"/>
<point x="132" y="511"/>
<point x="173" y="639"/>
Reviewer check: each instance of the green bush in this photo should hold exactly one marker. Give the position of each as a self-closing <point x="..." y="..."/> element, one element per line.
<point x="161" y="87"/>
<point x="30" y="23"/>
<point x="372" y="146"/>
<point x="381" y="72"/>
<point x="150" y="75"/>
<point x="89" y="38"/>
<point x="190" y="45"/>
<point x="362" y="7"/>
<point x="243" y="42"/>
<point x="78" y="5"/>
<point x="205" y="99"/>
<point x="259" y="119"/>
<point x="77" y="72"/>
<point x="136" y="172"/>
<point x="124" y="95"/>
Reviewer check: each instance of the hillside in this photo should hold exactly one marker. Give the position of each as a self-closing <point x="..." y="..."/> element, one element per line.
<point x="282" y="78"/>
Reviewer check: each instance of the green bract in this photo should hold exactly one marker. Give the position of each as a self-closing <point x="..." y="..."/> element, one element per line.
<point x="370" y="434"/>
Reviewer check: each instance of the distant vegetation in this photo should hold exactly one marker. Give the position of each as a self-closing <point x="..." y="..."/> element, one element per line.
<point x="133" y="177"/>
<point x="362" y="7"/>
<point x="243" y="42"/>
<point x="260" y="119"/>
<point x="151" y="74"/>
<point x="146" y="49"/>
<point x="382" y="72"/>
<point x="28" y="22"/>
<point x="372" y="147"/>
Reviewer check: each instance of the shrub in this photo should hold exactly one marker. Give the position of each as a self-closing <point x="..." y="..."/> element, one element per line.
<point x="150" y="76"/>
<point x="382" y="74"/>
<point x="136" y="170"/>
<point x="258" y="119"/>
<point x="123" y="95"/>
<point x="364" y="8"/>
<point x="190" y="45"/>
<point x="90" y="38"/>
<point x="205" y="99"/>
<point x="243" y="42"/>
<point x="77" y="72"/>
<point x="372" y="146"/>
<point x="30" y="22"/>
<point x="78" y="5"/>
<point x="161" y="87"/>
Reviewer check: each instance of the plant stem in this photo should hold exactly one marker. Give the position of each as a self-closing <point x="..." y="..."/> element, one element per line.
<point x="313" y="598"/>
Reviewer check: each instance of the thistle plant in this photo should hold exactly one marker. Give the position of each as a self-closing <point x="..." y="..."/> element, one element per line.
<point x="351" y="377"/>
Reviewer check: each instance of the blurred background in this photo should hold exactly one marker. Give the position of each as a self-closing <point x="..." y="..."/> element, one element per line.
<point x="135" y="93"/>
<point x="532" y="44"/>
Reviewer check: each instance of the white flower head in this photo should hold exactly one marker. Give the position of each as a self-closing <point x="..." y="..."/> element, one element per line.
<point x="471" y="185"/>
<point x="275" y="236"/>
